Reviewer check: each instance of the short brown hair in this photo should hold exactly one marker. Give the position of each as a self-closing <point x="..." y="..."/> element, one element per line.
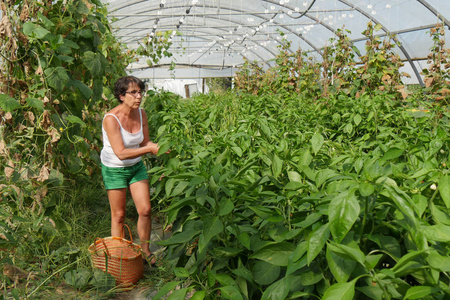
<point x="122" y="84"/>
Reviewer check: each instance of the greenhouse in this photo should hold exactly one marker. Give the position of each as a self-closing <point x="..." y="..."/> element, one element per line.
<point x="193" y="149"/>
<point x="212" y="38"/>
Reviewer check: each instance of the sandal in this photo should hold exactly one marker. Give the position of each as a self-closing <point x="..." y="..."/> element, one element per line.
<point x="149" y="259"/>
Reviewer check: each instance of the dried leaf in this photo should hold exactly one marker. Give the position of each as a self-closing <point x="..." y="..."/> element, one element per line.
<point x="30" y="117"/>
<point x="88" y="4"/>
<point x="3" y="151"/>
<point x="9" y="169"/>
<point x="21" y="128"/>
<point x="445" y="91"/>
<point x="25" y="14"/>
<point x="386" y="78"/>
<point x="406" y="75"/>
<point x="54" y="134"/>
<point x="40" y="72"/>
<point x="428" y="81"/>
<point x="44" y="174"/>
<point x="8" y="116"/>
<point x="46" y="122"/>
<point x="404" y="93"/>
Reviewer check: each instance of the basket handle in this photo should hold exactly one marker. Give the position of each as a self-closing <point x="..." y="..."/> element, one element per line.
<point x="129" y="232"/>
<point x="104" y="244"/>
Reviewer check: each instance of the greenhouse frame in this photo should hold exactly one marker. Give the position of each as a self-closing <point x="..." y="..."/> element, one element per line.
<point x="213" y="38"/>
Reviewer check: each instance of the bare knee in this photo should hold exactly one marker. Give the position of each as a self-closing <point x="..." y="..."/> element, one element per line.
<point x="118" y="216"/>
<point x="144" y="211"/>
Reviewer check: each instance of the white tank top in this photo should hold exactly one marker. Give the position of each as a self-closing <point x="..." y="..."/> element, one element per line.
<point x="130" y="141"/>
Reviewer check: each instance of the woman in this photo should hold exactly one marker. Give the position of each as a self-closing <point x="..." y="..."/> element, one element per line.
<point x="125" y="140"/>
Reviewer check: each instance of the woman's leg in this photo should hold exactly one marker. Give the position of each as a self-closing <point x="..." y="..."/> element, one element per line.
<point x="117" y="201"/>
<point x="141" y="196"/>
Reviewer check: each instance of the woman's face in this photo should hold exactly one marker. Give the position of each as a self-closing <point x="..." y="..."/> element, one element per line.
<point x="133" y="96"/>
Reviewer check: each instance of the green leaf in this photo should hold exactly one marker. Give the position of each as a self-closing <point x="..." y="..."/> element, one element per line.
<point x="237" y="150"/>
<point x="309" y="277"/>
<point x="276" y="254"/>
<point x="181" y="272"/>
<point x="163" y="148"/>
<point x="317" y="239"/>
<point x="439" y="262"/>
<point x="366" y="189"/>
<point x="340" y="267"/>
<point x="377" y="27"/>
<point x="277" y="165"/>
<point x="95" y="62"/>
<point x="170" y="286"/>
<point x="226" y="206"/>
<point x="15" y="294"/>
<point x="406" y="259"/>
<point x="323" y="175"/>
<point x="225" y="280"/>
<point x="294" y="176"/>
<point x="340" y="291"/>
<point x="199" y="295"/>
<point x="57" y="78"/>
<point x="179" y="294"/>
<point x="421" y="172"/>
<point x="231" y="293"/>
<point x="352" y="253"/>
<point x="244" y="239"/>
<point x="293" y="186"/>
<point x="388" y="244"/>
<point x="343" y="212"/>
<point x="419" y="292"/>
<point x="438" y="233"/>
<point x="420" y="204"/>
<point x="244" y="273"/>
<point x="77" y="278"/>
<point x="357" y="119"/>
<point x="34" y="31"/>
<point x="83" y="88"/>
<point x="265" y="273"/>
<point x="81" y="8"/>
<point x="444" y="189"/>
<point x="103" y="281"/>
<point x="75" y="120"/>
<point x="36" y="103"/>
<point x="212" y="227"/>
<point x="438" y="215"/>
<point x="316" y="142"/>
<point x="8" y="104"/>
<point x="392" y="153"/>
<point x="278" y="290"/>
<point x="70" y="44"/>
<point x="179" y="238"/>
<point x="169" y="186"/>
<point x="179" y="188"/>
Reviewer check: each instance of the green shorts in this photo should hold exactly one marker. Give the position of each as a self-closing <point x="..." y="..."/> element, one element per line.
<point x="122" y="177"/>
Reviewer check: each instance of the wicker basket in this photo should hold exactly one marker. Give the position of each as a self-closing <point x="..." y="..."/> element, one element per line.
<point x="119" y="257"/>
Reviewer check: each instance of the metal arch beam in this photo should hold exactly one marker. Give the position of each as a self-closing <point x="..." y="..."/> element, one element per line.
<point x="416" y="72"/>
<point x="258" y="16"/>
<point x="253" y="52"/>
<point x="434" y="11"/>
<point x="234" y="23"/>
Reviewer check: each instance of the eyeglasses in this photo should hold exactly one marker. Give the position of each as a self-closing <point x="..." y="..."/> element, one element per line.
<point x="135" y="93"/>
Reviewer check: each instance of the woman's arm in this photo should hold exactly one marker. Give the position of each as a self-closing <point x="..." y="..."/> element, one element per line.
<point x="112" y="129"/>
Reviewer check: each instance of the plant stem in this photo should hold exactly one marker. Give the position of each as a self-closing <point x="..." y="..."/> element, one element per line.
<point x="63" y="268"/>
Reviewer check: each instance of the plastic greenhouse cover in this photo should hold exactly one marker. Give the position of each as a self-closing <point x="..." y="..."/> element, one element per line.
<point x="214" y="37"/>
